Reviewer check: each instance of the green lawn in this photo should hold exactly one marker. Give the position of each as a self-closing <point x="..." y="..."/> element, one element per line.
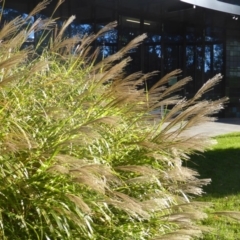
<point x="222" y="164"/>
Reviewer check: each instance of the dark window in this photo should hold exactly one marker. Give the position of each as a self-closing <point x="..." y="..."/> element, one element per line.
<point x="208" y="59"/>
<point x="171" y="58"/>
<point x="110" y="37"/>
<point x="152" y="58"/>
<point x="218" y="58"/>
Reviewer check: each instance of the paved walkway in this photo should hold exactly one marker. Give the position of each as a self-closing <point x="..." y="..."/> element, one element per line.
<point x="221" y="126"/>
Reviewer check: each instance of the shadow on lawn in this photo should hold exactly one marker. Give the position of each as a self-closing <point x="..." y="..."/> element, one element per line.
<point x="222" y="166"/>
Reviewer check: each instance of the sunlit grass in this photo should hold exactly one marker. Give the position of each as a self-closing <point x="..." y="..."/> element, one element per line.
<point x="222" y="164"/>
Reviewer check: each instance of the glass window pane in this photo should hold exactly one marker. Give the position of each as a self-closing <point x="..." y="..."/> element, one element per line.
<point x="170" y="58"/>
<point x="81" y="29"/>
<point x="218" y="58"/>
<point x="130" y="28"/>
<point x="109" y="37"/>
<point x="153" y="30"/>
<point x="189" y="57"/>
<point x="193" y="34"/>
<point x="152" y="58"/>
<point x="173" y="32"/>
<point x="208" y="60"/>
<point x="213" y="34"/>
<point x="107" y="51"/>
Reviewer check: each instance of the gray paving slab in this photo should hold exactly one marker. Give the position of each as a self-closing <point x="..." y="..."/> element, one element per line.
<point x="219" y="127"/>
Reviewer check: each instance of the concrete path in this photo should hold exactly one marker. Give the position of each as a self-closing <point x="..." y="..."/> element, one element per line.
<point x="221" y="126"/>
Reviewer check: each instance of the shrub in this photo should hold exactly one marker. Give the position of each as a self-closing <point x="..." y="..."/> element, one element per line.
<point x="84" y="152"/>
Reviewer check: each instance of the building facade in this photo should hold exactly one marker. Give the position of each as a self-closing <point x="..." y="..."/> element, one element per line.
<point x="201" y="37"/>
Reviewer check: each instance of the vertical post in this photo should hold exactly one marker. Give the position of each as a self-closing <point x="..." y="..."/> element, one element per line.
<point x="141" y="30"/>
<point x="119" y="36"/>
<point x="142" y="45"/>
<point x="225" y="79"/>
<point x="162" y="58"/>
<point x="115" y="17"/>
<point x="195" y="65"/>
<point x="184" y="51"/>
<point x="212" y="59"/>
<point x="203" y="46"/>
<point x="93" y="20"/>
<point x="162" y="49"/>
<point x="203" y="54"/>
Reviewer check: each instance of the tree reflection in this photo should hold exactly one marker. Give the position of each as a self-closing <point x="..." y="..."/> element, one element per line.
<point x="218" y="57"/>
<point x="199" y="56"/>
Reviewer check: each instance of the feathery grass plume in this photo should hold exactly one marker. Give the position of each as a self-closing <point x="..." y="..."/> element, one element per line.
<point x="39" y="7"/>
<point x="63" y="28"/>
<point x="84" y="154"/>
<point x="9" y="29"/>
<point x="59" y="3"/>
<point x="109" y="61"/>
<point x="1" y="13"/>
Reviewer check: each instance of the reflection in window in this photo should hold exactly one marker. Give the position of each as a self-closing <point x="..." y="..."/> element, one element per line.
<point x="10" y="14"/>
<point x="153" y="38"/>
<point x="129" y="30"/>
<point x="168" y="59"/>
<point x="152" y="58"/>
<point x="108" y="37"/>
<point x="199" y="57"/>
<point x="193" y="34"/>
<point x="189" y="56"/>
<point x="156" y="50"/>
<point x="195" y="58"/>
<point x="107" y="51"/>
<point x="213" y="34"/>
<point x="171" y="58"/>
<point x="80" y="29"/>
<point x="217" y="57"/>
<point x="207" y="62"/>
<point x="173" y="38"/>
<point x="76" y="29"/>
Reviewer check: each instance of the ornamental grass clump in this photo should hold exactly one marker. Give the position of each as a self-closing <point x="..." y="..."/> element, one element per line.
<point x="84" y="153"/>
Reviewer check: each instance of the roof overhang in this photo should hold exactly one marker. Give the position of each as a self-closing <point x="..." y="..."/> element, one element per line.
<point x="216" y="5"/>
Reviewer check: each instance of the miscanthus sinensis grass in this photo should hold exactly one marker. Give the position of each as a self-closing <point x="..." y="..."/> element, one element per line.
<point x="82" y="154"/>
